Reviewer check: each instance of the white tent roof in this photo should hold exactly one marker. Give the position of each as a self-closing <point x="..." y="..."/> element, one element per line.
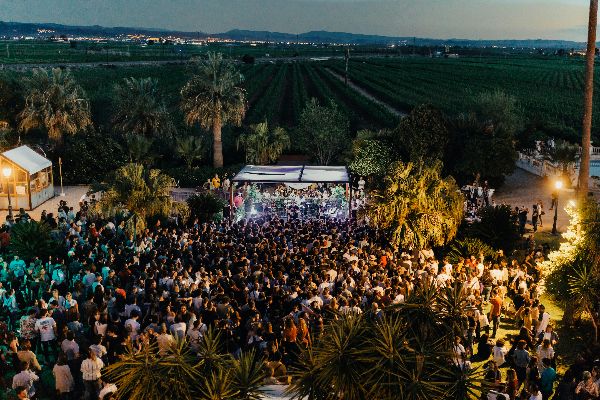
<point x="292" y="173"/>
<point x="27" y="159"/>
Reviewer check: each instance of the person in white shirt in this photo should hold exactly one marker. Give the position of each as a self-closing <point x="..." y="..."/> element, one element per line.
<point x="499" y="353"/>
<point x="544" y="320"/>
<point x="25" y="379"/>
<point x="98" y="347"/>
<point x="63" y="377"/>
<point x="178" y="329"/>
<point x="70" y="347"/>
<point x="91" y="369"/>
<point x="196" y="334"/>
<point x="46" y="327"/>
<point x="164" y="340"/>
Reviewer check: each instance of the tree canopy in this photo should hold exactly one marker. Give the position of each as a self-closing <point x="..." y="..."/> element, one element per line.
<point x="264" y="145"/>
<point x="213" y="98"/>
<point x="417" y="205"/>
<point x="55" y="103"/>
<point x="323" y="131"/>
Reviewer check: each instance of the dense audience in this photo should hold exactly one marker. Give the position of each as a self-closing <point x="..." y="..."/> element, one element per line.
<point x="267" y="284"/>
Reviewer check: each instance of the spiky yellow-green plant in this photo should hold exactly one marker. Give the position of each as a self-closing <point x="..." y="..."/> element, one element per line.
<point x="417" y="206"/>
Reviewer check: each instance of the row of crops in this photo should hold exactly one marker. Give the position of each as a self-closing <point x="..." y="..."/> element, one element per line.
<point x="547" y="89"/>
<point x="279" y="92"/>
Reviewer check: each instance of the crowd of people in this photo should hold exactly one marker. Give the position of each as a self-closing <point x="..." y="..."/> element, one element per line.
<point x="267" y="284"/>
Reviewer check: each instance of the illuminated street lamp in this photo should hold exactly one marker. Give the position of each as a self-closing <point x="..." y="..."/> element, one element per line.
<point x="558" y="185"/>
<point x="7" y="171"/>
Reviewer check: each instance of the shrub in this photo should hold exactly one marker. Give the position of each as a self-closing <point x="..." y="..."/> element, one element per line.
<point x="205" y="206"/>
<point x="460" y="249"/>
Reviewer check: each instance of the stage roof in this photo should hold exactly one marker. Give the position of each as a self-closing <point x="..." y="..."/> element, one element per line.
<point x="27" y="159"/>
<point x="292" y="173"/>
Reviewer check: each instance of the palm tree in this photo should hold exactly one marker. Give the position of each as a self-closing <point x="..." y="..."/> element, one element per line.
<point x="32" y="239"/>
<point x="263" y="145"/>
<point x="56" y="103"/>
<point x="213" y="99"/>
<point x="148" y="375"/>
<point x="584" y="168"/>
<point x="141" y="192"/>
<point x="139" y="108"/>
<point x="564" y="153"/>
<point x="139" y="148"/>
<point x="190" y="149"/>
<point x="417" y="205"/>
<point x="403" y="354"/>
<point x="584" y="286"/>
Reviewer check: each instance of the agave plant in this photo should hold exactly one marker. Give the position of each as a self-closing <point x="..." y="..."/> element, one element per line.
<point x="147" y="375"/>
<point x="461" y="249"/>
<point x="247" y="376"/>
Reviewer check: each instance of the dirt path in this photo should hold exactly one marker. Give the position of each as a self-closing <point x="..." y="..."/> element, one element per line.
<point x="368" y="95"/>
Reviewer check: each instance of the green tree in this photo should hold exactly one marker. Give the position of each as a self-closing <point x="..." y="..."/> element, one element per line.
<point x="496" y="227"/>
<point x="480" y="148"/>
<point x="139" y="149"/>
<point x="205" y="206"/>
<point x="423" y="134"/>
<point x="11" y="99"/>
<point x="141" y="192"/>
<point x="417" y="205"/>
<point x="32" y="239"/>
<point x="56" y="103"/>
<point x="140" y="109"/>
<point x="190" y="149"/>
<point x="263" y="145"/>
<point x="323" y="131"/>
<point x="465" y="248"/>
<point x="213" y="99"/>
<point x="584" y="288"/>
<point x="371" y="154"/>
<point x="564" y="154"/>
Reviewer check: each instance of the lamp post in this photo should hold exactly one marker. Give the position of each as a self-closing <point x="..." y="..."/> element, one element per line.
<point x="558" y="185"/>
<point x="7" y="171"/>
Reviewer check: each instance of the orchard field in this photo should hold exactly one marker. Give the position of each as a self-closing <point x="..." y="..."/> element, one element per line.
<point x="547" y="88"/>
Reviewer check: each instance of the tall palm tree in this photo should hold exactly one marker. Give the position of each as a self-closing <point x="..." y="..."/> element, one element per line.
<point x="139" y="108"/>
<point x="140" y="191"/>
<point x="263" y="145"/>
<point x="190" y="149"/>
<point x="139" y="148"/>
<point x="417" y="205"/>
<point x="584" y="168"/>
<point x="213" y="99"/>
<point x="56" y="103"/>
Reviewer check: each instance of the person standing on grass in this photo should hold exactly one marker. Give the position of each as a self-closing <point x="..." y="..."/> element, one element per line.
<point x="91" y="369"/>
<point x="496" y="310"/>
<point x="46" y="326"/>
<point x="65" y="384"/>
<point x="547" y="379"/>
<point x="26" y="379"/>
<point x="521" y="360"/>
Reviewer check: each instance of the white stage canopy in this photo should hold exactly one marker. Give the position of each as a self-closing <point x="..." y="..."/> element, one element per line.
<point x="292" y="173"/>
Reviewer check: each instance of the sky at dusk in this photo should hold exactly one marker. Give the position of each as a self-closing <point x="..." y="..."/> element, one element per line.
<point x="471" y="19"/>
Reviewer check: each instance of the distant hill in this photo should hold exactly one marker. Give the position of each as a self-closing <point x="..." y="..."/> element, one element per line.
<point x="18" y="29"/>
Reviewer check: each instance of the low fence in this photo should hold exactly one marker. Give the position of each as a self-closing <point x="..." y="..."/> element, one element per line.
<point x="544" y="168"/>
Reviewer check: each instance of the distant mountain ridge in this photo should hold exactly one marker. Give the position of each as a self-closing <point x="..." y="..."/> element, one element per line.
<point x="19" y="29"/>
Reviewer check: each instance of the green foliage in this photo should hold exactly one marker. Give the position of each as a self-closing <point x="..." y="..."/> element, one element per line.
<point x="139" y="108"/>
<point x="148" y="375"/>
<point x="247" y="375"/>
<point x="142" y="192"/>
<point x="465" y="248"/>
<point x="11" y="99"/>
<point x="139" y="149"/>
<point x="406" y="354"/>
<point x="205" y="205"/>
<point x="32" y="239"/>
<point x="190" y="149"/>
<point x="423" y="134"/>
<point x="563" y="153"/>
<point x="497" y="228"/>
<point x="212" y="98"/>
<point x="263" y="145"/>
<point x="416" y="205"/>
<point x="323" y="131"/>
<point x="370" y="156"/>
<point x="56" y="103"/>
<point x="480" y="148"/>
<point x="90" y="156"/>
